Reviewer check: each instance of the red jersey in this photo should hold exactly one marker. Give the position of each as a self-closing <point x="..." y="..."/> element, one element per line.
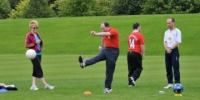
<point x="112" y="40"/>
<point x="135" y="40"/>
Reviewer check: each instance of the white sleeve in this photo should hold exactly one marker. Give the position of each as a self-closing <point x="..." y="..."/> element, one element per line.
<point x="178" y="37"/>
<point x="165" y="37"/>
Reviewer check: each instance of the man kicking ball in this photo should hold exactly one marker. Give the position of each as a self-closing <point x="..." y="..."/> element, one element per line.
<point x="109" y="51"/>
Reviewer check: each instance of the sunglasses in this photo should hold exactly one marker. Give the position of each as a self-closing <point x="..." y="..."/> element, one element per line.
<point x="35" y="28"/>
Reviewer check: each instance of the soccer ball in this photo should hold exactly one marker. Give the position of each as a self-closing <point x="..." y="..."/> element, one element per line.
<point x="30" y="54"/>
<point x="178" y="88"/>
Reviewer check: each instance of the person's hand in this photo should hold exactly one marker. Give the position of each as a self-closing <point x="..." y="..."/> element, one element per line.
<point x="169" y="51"/>
<point x="93" y="33"/>
<point x="38" y="41"/>
<point x="143" y="56"/>
<point x="100" y="47"/>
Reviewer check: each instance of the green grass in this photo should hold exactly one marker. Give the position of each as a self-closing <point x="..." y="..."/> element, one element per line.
<point x="70" y="35"/>
<point x="71" y="81"/>
<point x="66" y="38"/>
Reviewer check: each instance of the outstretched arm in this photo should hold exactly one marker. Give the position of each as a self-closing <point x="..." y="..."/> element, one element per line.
<point x="100" y="33"/>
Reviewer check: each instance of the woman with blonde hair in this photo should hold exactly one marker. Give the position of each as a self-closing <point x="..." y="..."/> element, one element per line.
<point x="34" y="41"/>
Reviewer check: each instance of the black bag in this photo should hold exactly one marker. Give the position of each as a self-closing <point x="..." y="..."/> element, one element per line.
<point x="8" y="88"/>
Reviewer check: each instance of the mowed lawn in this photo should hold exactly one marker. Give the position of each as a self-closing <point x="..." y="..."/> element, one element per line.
<point x="71" y="35"/>
<point x="71" y="81"/>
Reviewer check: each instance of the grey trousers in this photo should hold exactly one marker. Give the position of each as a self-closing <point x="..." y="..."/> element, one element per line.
<point x="110" y="55"/>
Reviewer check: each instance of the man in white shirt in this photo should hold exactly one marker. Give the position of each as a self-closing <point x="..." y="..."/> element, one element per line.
<point x="172" y="39"/>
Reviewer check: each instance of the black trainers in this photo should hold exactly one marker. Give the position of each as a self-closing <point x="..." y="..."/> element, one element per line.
<point x="132" y="82"/>
<point x="80" y="59"/>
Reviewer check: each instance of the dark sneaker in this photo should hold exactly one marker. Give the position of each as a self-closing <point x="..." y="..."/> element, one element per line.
<point x="132" y="82"/>
<point x="80" y="59"/>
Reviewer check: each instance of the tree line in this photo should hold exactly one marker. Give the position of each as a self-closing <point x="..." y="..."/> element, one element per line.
<point x="61" y="8"/>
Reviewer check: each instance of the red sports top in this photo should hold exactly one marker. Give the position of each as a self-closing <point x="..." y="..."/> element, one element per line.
<point x="135" y="40"/>
<point x="112" y="40"/>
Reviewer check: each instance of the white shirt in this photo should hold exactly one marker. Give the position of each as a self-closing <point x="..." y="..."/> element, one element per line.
<point x="172" y="36"/>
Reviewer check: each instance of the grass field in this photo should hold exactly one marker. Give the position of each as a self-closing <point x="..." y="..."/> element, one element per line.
<point x="71" y="81"/>
<point x="70" y="35"/>
<point x="66" y="38"/>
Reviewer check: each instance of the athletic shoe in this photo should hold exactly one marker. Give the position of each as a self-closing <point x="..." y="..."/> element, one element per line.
<point x="168" y="86"/>
<point x="34" y="88"/>
<point x="49" y="87"/>
<point x="132" y="82"/>
<point x="82" y="63"/>
<point x="107" y="90"/>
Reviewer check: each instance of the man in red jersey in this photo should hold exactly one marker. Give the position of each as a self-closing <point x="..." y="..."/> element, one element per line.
<point x="109" y="51"/>
<point x="135" y="54"/>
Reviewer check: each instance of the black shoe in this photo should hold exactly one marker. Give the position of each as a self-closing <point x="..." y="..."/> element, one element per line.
<point x="80" y="59"/>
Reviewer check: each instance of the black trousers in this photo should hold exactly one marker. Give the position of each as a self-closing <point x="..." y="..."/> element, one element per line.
<point x="37" y="69"/>
<point x="134" y="61"/>
<point x="110" y="55"/>
<point x="172" y="62"/>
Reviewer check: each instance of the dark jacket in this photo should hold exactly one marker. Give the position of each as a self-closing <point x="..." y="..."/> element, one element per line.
<point x="30" y="42"/>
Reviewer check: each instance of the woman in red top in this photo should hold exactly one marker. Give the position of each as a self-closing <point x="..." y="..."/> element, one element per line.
<point x="135" y="54"/>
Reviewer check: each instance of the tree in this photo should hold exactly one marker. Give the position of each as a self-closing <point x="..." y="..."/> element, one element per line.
<point x="56" y="6"/>
<point x="13" y="3"/>
<point x="196" y="6"/>
<point x="81" y="7"/>
<point x="171" y="6"/>
<point x="127" y="7"/>
<point x="38" y="9"/>
<point x="102" y="7"/>
<point x="20" y="9"/>
<point x="156" y="7"/>
<point x="51" y="1"/>
<point x="76" y="8"/>
<point x="4" y="9"/>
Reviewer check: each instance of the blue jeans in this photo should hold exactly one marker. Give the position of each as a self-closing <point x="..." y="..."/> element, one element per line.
<point x="110" y="55"/>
